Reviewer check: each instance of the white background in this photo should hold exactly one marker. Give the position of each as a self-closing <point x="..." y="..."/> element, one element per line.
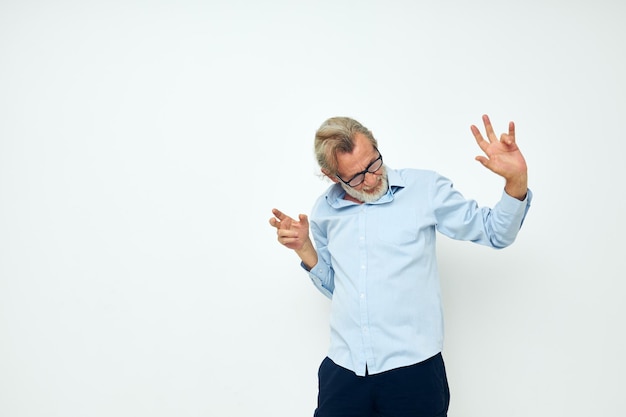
<point x="143" y="145"/>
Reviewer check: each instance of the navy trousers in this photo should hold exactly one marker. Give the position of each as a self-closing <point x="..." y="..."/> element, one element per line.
<point x="419" y="390"/>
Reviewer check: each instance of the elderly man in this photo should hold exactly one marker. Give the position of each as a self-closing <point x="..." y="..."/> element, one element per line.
<point x="372" y="253"/>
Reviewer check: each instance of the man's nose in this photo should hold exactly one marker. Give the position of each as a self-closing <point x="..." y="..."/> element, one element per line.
<point x="370" y="179"/>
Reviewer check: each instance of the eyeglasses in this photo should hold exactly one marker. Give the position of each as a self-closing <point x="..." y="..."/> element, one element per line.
<point x="360" y="177"/>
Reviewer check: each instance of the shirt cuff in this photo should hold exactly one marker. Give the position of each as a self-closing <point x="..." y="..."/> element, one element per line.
<point x="315" y="275"/>
<point x="510" y="204"/>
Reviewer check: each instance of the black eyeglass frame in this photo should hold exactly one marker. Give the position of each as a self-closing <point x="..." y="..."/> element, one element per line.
<point x="362" y="173"/>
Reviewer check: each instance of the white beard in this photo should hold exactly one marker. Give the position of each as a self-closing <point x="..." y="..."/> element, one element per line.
<point x="369" y="197"/>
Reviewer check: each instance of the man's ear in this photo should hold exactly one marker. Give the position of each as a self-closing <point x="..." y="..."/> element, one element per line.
<point x="331" y="177"/>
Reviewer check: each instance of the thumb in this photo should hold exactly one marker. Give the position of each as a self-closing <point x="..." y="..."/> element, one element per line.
<point x="304" y="220"/>
<point x="482" y="160"/>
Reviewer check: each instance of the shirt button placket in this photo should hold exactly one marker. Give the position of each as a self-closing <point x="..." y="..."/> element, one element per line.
<point x="363" y="308"/>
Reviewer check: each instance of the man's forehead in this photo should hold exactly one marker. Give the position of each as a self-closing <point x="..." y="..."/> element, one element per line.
<point x="362" y="147"/>
<point x="363" y="154"/>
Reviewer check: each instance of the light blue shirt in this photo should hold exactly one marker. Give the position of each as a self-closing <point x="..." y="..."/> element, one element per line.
<point x="377" y="263"/>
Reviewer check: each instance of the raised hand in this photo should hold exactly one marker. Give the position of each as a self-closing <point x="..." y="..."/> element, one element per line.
<point x="291" y="233"/>
<point x="503" y="157"/>
<point x="294" y="234"/>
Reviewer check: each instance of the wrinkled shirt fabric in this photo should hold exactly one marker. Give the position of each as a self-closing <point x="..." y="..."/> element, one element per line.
<point x="377" y="264"/>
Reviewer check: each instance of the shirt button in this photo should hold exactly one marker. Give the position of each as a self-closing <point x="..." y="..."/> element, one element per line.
<point x="362" y="296"/>
<point x="364" y="329"/>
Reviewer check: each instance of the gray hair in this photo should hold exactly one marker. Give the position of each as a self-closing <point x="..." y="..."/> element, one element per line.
<point x="336" y="135"/>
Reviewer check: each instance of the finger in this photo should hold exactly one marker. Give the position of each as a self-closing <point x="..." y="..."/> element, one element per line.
<point x="479" y="138"/>
<point x="281" y="221"/>
<point x="286" y="234"/>
<point x="511" y="138"/>
<point x="279" y="214"/>
<point x="491" y="135"/>
<point x="486" y="162"/>
<point x="304" y="220"/>
<point x="483" y="160"/>
<point x="291" y="243"/>
<point x="476" y="133"/>
<point x="286" y="223"/>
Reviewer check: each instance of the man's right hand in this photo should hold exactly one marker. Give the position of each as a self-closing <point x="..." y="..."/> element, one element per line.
<point x="294" y="234"/>
<point x="291" y="233"/>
